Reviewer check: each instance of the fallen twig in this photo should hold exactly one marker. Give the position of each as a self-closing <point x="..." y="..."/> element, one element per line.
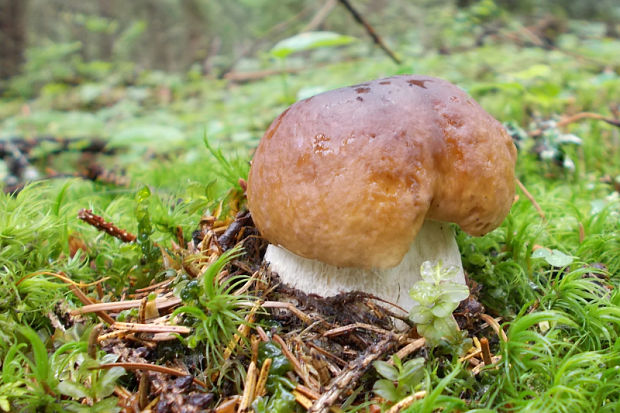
<point x="249" y="390"/>
<point x="92" y="340"/>
<point x="227" y="239"/>
<point x="352" y="373"/>
<point x="149" y="367"/>
<point x="476" y="370"/>
<point x="242" y="331"/>
<point x="327" y="354"/>
<point x="295" y="362"/>
<point x="260" y="74"/>
<point x="302" y="399"/>
<point x="577" y="117"/>
<point x="410" y="348"/>
<point x="161" y="303"/>
<point x="152" y="287"/>
<point x="143" y="391"/>
<point x="486" y="351"/>
<point x="345" y="329"/>
<point x="289" y="306"/>
<point x="150" y="328"/>
<point x="262" y="377"/>
<point x="87" y="301"/>
<point x="101" y="224"/>
<point x="407" y="401"/>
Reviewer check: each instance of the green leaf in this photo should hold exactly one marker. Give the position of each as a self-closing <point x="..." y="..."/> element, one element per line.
<point x="424" y="292"/>
<point x="60" y="198"/>
<point x="430" y="333"/>
<point x="280" y="364"/>
<point x="41" y="365"/>
<point x="4" y="404"/>
<point x="444" y="308"/>
<point x="72" y="389"/>
<point x="553" y="257"/>
<point x="386" y="370"/>
<point x="421" y="314"/>
<point x="308" y="41"/>
<point x="445" y="326"/>
<point x="107" y="405"/>
<point x="194" y="311"/>
<point x="386" y="389"/>
<point x="106" y="383"/>
<point x="451" y="291"/>
<point x="412" y="372"/>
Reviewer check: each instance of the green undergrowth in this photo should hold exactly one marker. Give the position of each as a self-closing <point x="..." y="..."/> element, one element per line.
<point x="552" y="276"/>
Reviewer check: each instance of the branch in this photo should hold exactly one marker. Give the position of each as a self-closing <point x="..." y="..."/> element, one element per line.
<point x="375" y="37"/>
<point x="351" y="374"/>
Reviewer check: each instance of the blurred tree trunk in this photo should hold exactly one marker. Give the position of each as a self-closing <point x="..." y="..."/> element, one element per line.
<point x="12" y="36"/>
<point x="461" y="4"/>
<point x="197" y="42"/>
<point x="156" y="32"/>
<point x="106" y="8"/>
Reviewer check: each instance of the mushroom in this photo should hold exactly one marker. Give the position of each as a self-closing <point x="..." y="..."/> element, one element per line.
<point x="355" y="188"/>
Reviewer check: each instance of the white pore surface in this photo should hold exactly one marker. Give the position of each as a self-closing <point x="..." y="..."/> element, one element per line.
<point x="434" y="242"/>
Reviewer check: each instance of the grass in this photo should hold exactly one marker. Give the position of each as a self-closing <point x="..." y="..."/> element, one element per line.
<point x="562" y="321"/>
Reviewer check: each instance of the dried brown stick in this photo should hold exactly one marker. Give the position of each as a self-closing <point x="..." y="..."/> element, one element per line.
<point x="350" y="327"/>
<point x="92" y="340"/>
<point x="150" y="328"/>
<point x="375" y="37"/>
<point x="227" y="239"/>
<point x="309" y="393"/>
<point x="495" y="326"/>
<point x="486" y="351"/>
<point x="155" y="286"/>
<point x="228" y="405"/>
<point x="249" y="390"/>
<point x="529" y="196"/>
<point x="410" y="348"/>
<point x="262" y="377"/>
<point x="260" y="74"/>
<point x="143" y="391"/>
<point x="352" y="373"/>
<point x="302" y="399"/>
<point x="162" y="302"/>
<point x="326" y="353"/>
<point x="407" y="401"/>
<point x="101" y="224"/>
<point x="289" y="306"/>
<point x="289" y="355"/>
<point x="577" y="117"/>
<point x="149" y="367"/>
<point x="87" y="301"/>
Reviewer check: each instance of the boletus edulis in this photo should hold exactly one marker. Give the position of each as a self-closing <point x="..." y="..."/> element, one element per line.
<point x="354" y="188"/>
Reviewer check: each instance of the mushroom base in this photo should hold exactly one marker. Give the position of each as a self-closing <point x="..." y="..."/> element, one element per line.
<point x="434" y="242"/>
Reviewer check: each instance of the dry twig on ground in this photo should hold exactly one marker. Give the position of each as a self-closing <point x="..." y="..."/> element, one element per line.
<point x="352" y="374"/>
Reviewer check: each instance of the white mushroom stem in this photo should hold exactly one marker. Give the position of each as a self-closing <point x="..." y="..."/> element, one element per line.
<point x="435" y="242"/>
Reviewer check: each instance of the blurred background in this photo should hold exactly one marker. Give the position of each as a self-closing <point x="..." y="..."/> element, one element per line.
<point x="158" y="76"/>
<point x="214" y="37"/>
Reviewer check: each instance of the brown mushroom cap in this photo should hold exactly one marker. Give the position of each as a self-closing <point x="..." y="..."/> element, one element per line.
<point x="347" y="177"/>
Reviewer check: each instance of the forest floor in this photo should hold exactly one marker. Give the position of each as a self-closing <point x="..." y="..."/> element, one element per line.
<point x="132" y="276"/>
